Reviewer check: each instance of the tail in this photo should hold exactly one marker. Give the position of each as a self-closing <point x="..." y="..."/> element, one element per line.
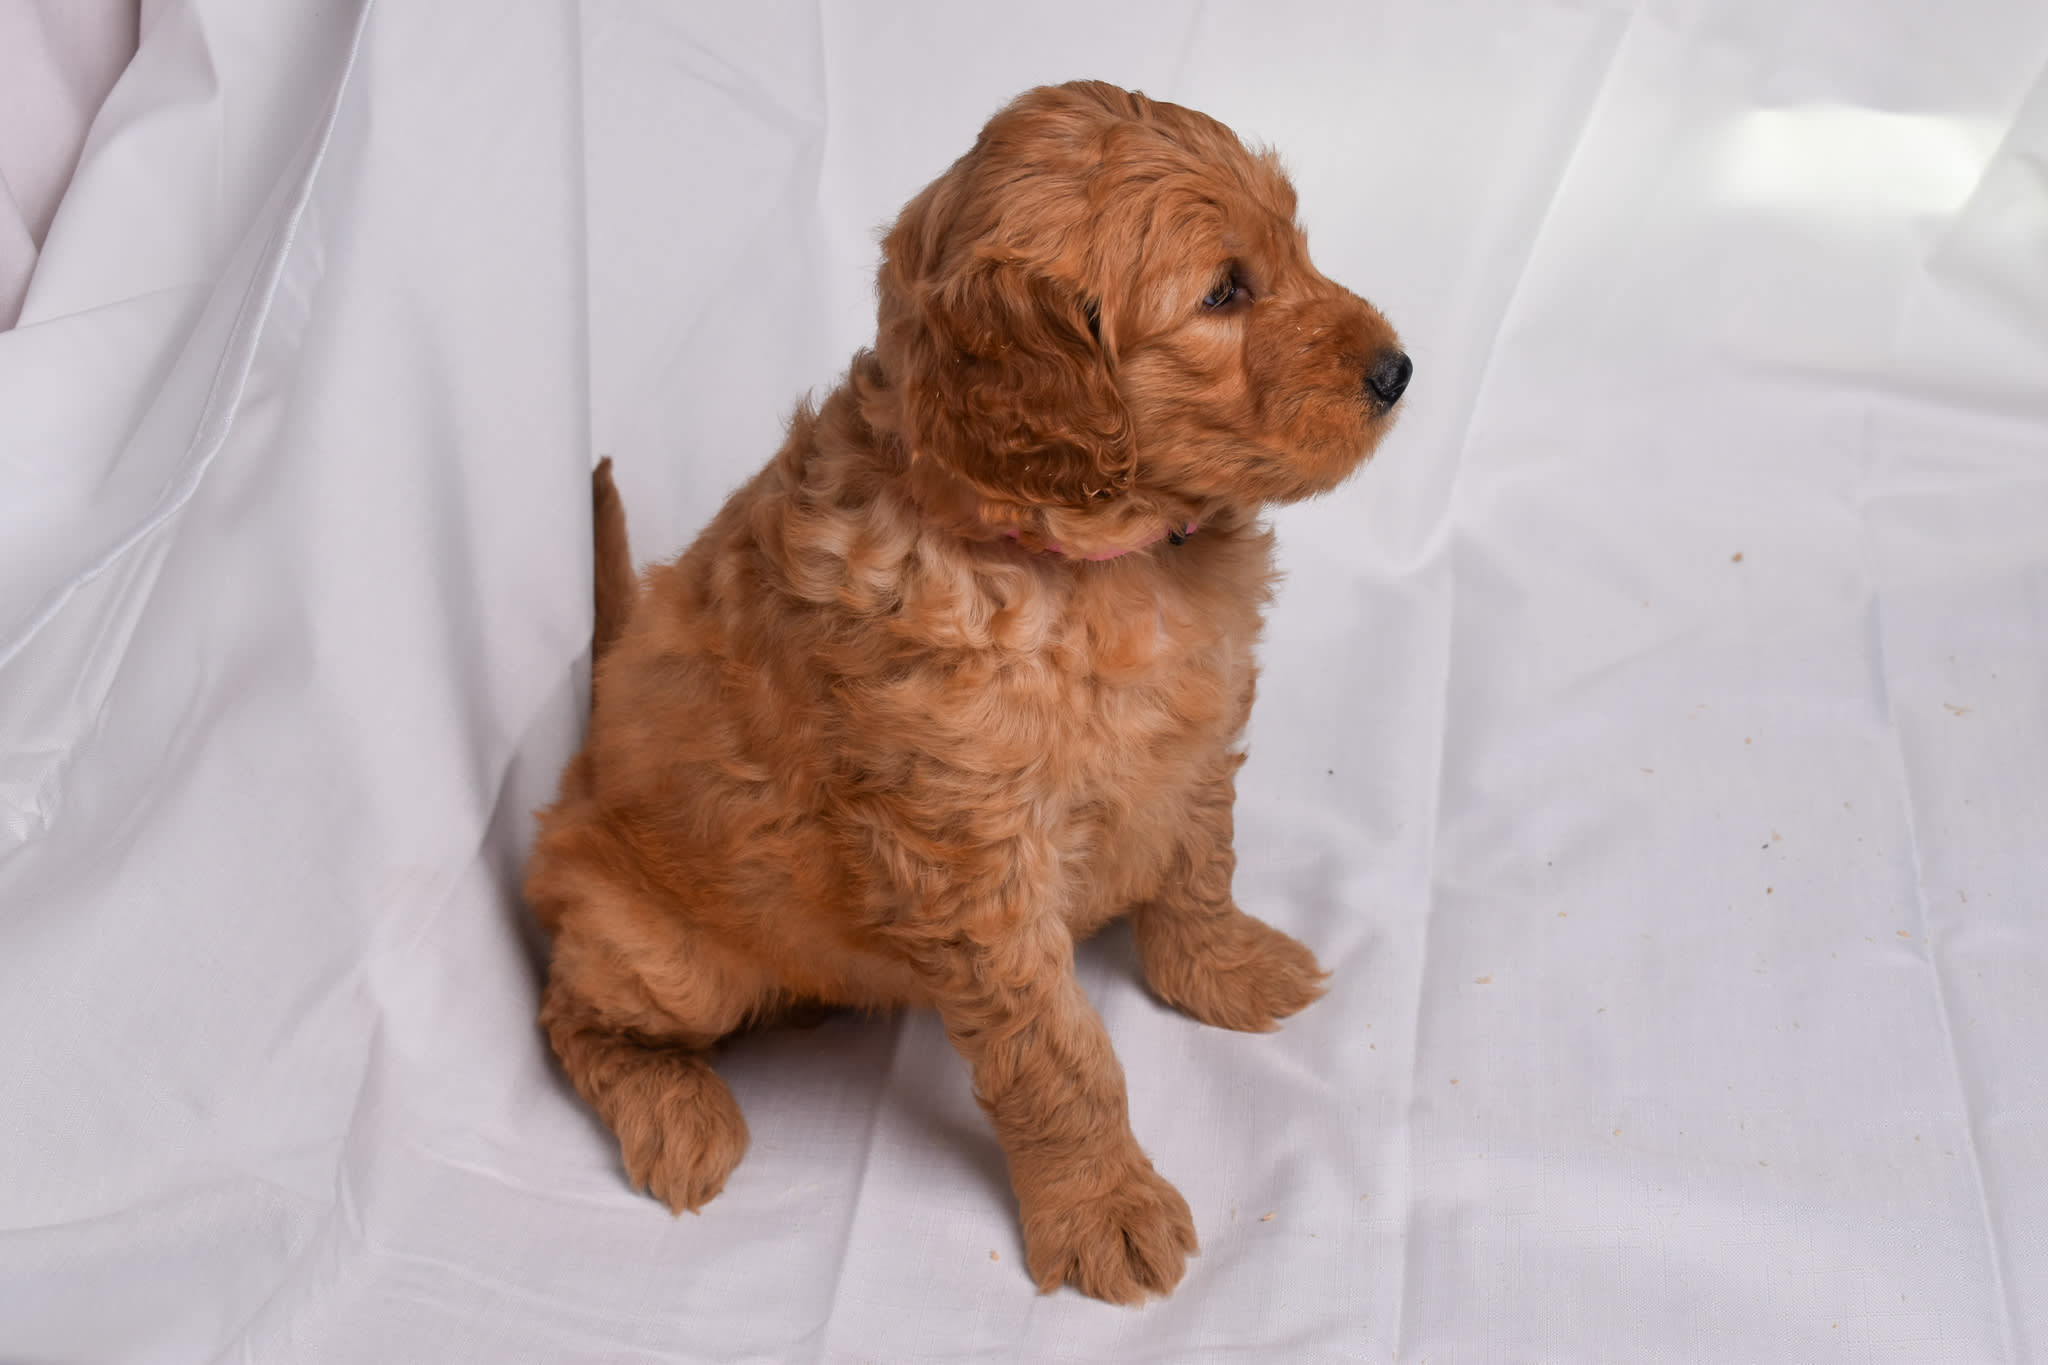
<point x="614" y="582"/>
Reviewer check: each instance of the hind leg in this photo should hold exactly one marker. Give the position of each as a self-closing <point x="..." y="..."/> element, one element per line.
<point x="635" y="1001"/>
<point x="680" y="1131"/>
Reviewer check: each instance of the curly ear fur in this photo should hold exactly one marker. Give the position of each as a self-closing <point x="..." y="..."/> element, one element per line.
<point x="1003" y="377"/>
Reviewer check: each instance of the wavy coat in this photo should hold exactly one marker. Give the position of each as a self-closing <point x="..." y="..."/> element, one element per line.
<point x="963" y="673"/>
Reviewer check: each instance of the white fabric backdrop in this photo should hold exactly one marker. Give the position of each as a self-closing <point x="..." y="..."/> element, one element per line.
<point x="1652" y="740"/>
<point x="60" y="59"/>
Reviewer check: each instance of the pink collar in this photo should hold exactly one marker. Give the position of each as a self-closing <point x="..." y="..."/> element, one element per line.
<point x="1163" y="533"/>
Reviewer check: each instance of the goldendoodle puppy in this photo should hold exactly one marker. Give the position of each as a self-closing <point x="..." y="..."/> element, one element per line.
<point x="961" y="675"/>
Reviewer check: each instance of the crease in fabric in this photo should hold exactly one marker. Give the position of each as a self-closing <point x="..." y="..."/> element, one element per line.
<point x="1439" y="544"/>
<point x="1902" y="769"/>
<point x="231" y="373"/>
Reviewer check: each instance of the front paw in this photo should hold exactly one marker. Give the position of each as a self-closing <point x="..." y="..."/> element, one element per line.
<point x="1119" y="1245"/>
<point x="684" y="1140"/>
<point x="1231" y="970"/>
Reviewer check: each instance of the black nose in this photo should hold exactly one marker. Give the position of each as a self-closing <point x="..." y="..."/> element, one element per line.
<point x="1389" y="376"/>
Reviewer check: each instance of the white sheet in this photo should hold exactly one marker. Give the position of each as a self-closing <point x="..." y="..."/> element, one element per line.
<point x="1652" y="740"/>
<point x="58" y="59"/>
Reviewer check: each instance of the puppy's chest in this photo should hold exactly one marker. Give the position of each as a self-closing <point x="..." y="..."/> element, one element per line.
<point x="1116" y="702"/>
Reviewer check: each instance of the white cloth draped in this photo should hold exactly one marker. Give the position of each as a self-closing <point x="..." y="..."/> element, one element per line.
<point x="1652" y="740"/>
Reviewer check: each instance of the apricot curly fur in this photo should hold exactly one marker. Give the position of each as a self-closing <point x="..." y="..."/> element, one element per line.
<point x="950" y="684"/>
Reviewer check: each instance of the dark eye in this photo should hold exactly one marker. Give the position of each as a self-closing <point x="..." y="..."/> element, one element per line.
<point x="1223" y="293"/>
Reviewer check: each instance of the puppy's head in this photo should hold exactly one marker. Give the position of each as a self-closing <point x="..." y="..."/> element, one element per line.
<point x="1105" y="312"/>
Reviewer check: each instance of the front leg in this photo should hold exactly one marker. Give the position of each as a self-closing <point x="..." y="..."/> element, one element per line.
<point x="1095" y="1213"/>
<point x="1203" y="955"/>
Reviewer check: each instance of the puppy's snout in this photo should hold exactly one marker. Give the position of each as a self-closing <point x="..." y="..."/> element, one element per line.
<point x="1388" y="377"/>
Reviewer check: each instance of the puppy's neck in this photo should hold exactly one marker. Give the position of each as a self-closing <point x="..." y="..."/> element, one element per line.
<point x="1109" y="530"/>
<point x="1175" y="534"/>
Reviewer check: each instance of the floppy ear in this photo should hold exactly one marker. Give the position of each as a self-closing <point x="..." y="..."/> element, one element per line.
<point x="1006" y="382"/>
